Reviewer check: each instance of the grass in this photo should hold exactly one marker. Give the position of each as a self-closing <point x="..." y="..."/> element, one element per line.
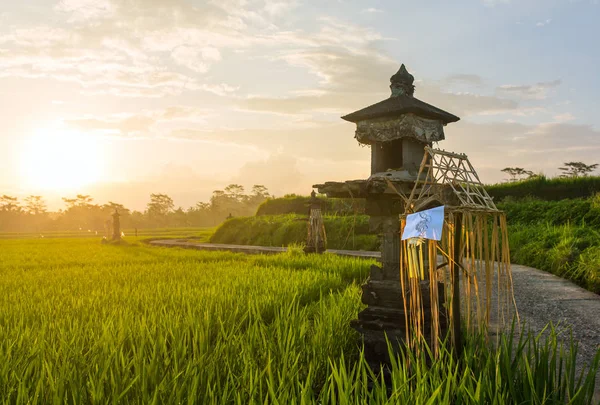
<point x="295" y="204"/>
<point x="343" y="232"/>
<point x="568" y="211"/>
<point x="544" y="188"/>
<point x="571" y="252"/>
<point x="82" y="322"/>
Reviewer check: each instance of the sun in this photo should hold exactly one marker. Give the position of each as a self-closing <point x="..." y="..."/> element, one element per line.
<point x="60" y="160"/>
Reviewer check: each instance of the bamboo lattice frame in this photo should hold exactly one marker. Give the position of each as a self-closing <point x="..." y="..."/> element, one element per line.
<point x="440" y="168"/>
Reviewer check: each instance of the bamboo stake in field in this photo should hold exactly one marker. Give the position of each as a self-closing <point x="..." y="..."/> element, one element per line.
<point x="456" y="333"/>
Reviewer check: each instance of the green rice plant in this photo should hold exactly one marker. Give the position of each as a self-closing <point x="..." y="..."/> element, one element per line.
<point x="85" y="323"/>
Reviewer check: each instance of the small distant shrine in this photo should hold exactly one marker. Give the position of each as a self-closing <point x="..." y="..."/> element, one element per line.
<point x="409" y="294"/>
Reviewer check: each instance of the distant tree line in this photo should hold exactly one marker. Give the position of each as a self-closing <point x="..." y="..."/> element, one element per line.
<point x="82" y="214"/>
<point x="570" y="169"/>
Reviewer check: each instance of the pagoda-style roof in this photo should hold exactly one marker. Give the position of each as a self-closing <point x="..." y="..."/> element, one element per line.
<point x="401" y="102"/>
<point x="398" y="105"/>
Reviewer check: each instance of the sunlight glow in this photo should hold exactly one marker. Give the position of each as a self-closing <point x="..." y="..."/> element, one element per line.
<point x="60" y="160"/>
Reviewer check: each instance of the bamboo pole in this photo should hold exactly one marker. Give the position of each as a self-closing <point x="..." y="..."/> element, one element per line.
<point x="456" y="331"/>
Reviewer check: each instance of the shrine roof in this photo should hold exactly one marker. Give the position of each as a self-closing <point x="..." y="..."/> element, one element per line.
<point x="401" y="102"/>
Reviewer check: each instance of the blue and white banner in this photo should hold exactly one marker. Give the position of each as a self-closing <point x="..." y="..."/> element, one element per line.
<point x="426" y="224"/>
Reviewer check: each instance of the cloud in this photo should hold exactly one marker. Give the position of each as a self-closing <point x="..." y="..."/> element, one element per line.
<point x="83" y="10"/>
<point x="342" y="102"/>
<point x="135" y="47"/>
<point x="464" y="78"/>
<point x="103" y="71"/>
<point x="353" y="78"/>
<point x="543" y="23"/>
<point x="540" y="148"/>
<point x="465" y="104"/>
<point x="353" y="72"/>
<point x="371" y="10"/>
<point x="132" y="125"/>
<point x="564" y="117"/>
<point x="279" y="173"/>
<point x="276" y="8"/>
<point x="538" y="91"/>
<point x="493" y="3"/>
<point x="140" y="124"/>
<point x="334" y="142"/>
<point x="195" y="59"/>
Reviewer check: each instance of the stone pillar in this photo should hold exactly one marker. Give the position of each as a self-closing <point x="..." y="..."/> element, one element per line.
<point x="384" y="315"/>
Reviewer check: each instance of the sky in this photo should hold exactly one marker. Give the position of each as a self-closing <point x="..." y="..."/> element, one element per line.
<point x="123" y="98"/>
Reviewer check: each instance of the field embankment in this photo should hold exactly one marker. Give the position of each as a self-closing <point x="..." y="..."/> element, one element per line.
<point x="569" y="251"/>
<point x="343" y="232"/>
<point x="558" y="236"/>
<point x="544" y="188"/>
<point x="296" y="204"/>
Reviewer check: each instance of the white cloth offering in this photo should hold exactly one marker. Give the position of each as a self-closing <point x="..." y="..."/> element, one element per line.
<point x="425" y="224"/>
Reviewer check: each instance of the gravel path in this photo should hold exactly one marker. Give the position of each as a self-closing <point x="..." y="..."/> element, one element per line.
<point x="543" y="297"/>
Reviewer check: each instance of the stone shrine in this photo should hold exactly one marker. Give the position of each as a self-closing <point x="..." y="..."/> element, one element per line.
<point x="397" y="129"/>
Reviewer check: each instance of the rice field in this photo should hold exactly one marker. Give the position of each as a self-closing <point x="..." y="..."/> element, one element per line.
<point x="87" y="323"/>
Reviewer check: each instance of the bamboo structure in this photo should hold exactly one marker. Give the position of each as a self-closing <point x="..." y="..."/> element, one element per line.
<point x="316" y="237"/>
<point x="471" y="262"/>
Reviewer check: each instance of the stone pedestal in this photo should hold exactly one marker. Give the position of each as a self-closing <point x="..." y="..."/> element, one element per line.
<point x="385" y="314"/>
<point x="385" y="317"/>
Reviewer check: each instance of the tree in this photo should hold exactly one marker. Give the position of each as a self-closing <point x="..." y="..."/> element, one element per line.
<point x="159" y="207"/>
<point x="235" y="192"/>
<point x="35" y="205"/>
<point x="81" y="214"/>
<point x="10" y="213"/>
<point x="160" y="204"/>
<point x="260" y="191"/>
<point x="576" y="169"/>
<point x="9" y="204"/>
<point x="516" y="172"/>
<point x="258" y="196"/>
<point x="111" y="207"/>
<point x="81" y="201"/>
<point x="179" y="218"/>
